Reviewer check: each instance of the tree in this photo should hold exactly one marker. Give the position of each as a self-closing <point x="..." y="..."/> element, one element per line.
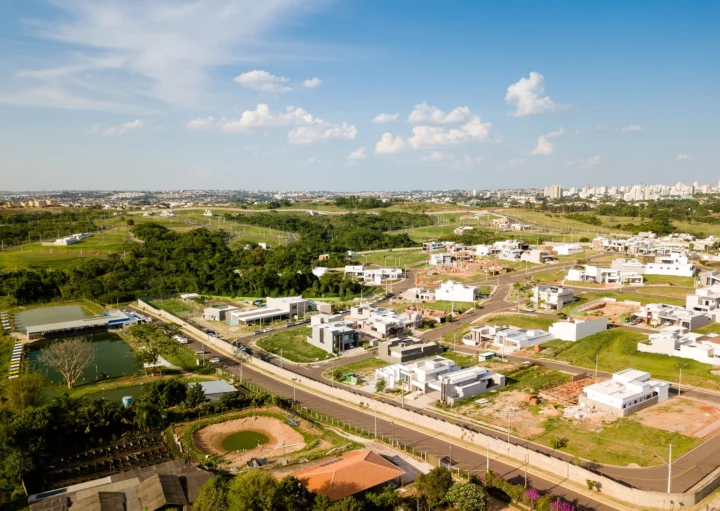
<point x="195" y="396"/>
<point x="290" y="495"/>
<point x="213" y="495"/>
<point x="70" y="358"/>
<point x="347" y="504"/>
<point x="253" y="490"/>
<point x="387" y="500"/>
<point x="130" y="222"/>
<point x="467" y="497"/>
<point x="147" y="416"/>
<point x="380" y="385"/>
<point x="23" y="391"/>
<point x="434" y="485"/>
<point x="153" y="340"/>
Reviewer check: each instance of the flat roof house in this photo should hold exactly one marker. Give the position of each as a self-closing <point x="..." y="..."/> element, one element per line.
<point x="405" y="349"/>
<point x="515" y="339"/>
<point x="276" y="308"/>
<point x="468" y="383"/>
<point x="215" y="389"/>
<point x="422" y="375"/>
<point x="552" y="297"/>
<point x="628" y="391"/>
<point x="456" y="292"/>
<point x="704" y="300"/>
<point x="537" y="256"/>
<point x="656" y="314"/>
<point x="568" y="249"/>
<point x="675" y="342"/>
<point x="575" y="329"/>
<point x="334" y="338"/>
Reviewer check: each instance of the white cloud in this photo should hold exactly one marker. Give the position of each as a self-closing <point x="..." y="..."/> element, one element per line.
<point x="436" y="156"/>
<point x="118" y="130"/>
<point x="165" y="50"/>
<point x="467" y="162"/>
<point x="544" y="147"/>
<point x="528" y="96"/>
<point x="585" y="163"/>
<point x="385" y="118"/>
<point x="321" y="133"/>
<point x="357" y="154"/>
<point x="512" y="162"/>
<point x="263" y="81"/>
<point x="683" y="157"/>
<point x="435" y="136"/>
<point x="426" y="114"/>
<point x="630" y="128"/>
<point x="389" y="144"/>
<point x="308" y="129"/>
<point x="59" y="98"/>
<point x="312" y="83"/>
<point x="201" y="123"/>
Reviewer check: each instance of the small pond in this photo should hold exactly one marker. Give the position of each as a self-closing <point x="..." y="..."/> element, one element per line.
<point x="113" y="358"/>
<point x="244" y="441"/>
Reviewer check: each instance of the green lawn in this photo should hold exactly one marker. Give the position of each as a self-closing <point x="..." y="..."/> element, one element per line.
<point x="460" y="359"/>
<point x="644" y="299"/>
<point x="550" y="277"/>
<point x="668" y="280"/>
<point x="293" y="345"/>
<point x="617" y="350"/>
<point x="523" y="321"/>
<point x="533" y="379"/>
<point x="174" y="306"/>
<point x="394" y="258"/>
<point x="361" y="367"/>
<point x="6" y="347"/>
<point x="617" y="443"/>
<point x="667" y="292"/>
<point x="712" y="328"/>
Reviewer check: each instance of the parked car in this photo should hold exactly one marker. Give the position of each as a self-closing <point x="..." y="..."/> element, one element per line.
<point x="215" y="360"/>
<point x="200" y="352"/>
<point x="529" y="309"/>
<point x="258" y="332"/>
<point x="242" y="348"/>
<point x="268" y="329"/>
<point x="289" y="324"/>
<point x="182" y="340"/>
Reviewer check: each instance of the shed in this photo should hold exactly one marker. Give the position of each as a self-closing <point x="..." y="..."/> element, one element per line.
<point x="216" y="388"/>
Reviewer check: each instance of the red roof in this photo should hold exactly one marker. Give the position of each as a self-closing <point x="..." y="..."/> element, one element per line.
<point x="349" y="474"/>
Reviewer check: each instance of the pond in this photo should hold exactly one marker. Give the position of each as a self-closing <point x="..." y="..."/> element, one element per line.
<point x="244" y="441"/>
<point x="45" y="315"/>
<point x="113" y="358"/>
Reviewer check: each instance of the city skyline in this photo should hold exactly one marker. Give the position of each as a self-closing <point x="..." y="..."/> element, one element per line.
<point x="347" y="96"/>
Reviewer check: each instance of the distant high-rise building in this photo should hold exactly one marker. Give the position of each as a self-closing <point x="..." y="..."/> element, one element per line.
<point x="556" y="192"/>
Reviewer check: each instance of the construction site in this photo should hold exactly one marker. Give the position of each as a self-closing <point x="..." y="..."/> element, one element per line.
<point x="614" y="311"/>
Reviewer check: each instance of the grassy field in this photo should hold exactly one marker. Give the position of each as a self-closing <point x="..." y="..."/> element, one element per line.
<point x="294" y="346"/>
<point x="176" y="306"/>
<point x="396" y="258"/>
<point x="361" y="367"/>
<point x="6" y="347"/>
<point x="667" y="280"/>
<point x="644" y="299"/>
<point x="712" y="328"/>
<point x="460" y="359"/>
<point x="522" y="321"/>
<point x="617" y="350"/>
<point x="550" y="277"/>
<point x="533" y="379"/>
<point x="557" y="222"/>
<point x="667" y="292"/>
<point x="618" y="443"/>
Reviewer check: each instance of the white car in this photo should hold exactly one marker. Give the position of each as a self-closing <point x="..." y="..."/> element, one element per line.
<point x="215" y="360"/>
<point x="182" y="340"/>
<point x="267" y="330"/>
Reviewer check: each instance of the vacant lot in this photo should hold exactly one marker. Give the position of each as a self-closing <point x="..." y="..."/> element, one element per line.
<point x="394" y="258"/>
<point x="673" y="293"/>
<point x="292" y="345"/>
<point x="617" y="350"/>
<point x="526" y="321"/>
<point x="666" y="280"/>
<point x="681" y="415"/>
<point x="550" y="277"/>
<point x="460" y="359"/>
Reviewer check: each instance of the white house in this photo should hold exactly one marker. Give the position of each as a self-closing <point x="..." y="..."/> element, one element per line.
<point x="484" y="250"/>
<point x="568" y="249"/>
<point x="319" y="271"/>
<point x="591" y="273"/>
<point x="456" y="292"/>
<point x="552" y="297"/>
<point x="705" y="300"/>
<point x="208" y="212"/>
<point x="627" y="392"/>
<point x="675" y="342"/>
<point x="421" y="375"/>
<point x="675" y="265"/>
<point x="536" y="256"/>
<point x="515" y="339"/>
<point x="354" y="270"/>
<point x="657" y="314"/>
<point x="379" y="275"/>
<point x="578" y="328"/>
<point x="334" y="338"/>
<point x="468" y="383"/>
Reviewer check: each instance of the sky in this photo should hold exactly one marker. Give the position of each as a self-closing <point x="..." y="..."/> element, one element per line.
<point x="356" y="95"/>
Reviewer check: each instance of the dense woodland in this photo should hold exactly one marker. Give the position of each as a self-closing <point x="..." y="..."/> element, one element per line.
<point x="202" y="261"/>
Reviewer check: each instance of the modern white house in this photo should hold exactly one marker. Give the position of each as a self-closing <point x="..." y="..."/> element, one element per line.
<point x="287" y="307"/>
<point x="457" y="292"/>
<point x="574" y="329"/>
<point x="594" y="274"/>
<point x="468" y="382"/>
<point x="627" y="392"/>
<point x="218" y="312"/>
<point x="418" y="294"/>
<point x="660" y="314"/>
<point x="355" y="270"/>
<point x="431" y="246"/>
<point x="706" y="300"/>
<point x="552" y="297"/>
<point x="334" y="338"/>
<point x="536" y="256"/>
<point x="509" y="250"/>
<point x="510" y="340"/>
<point x="379" y="275"/>
<point x="383" y="323"/>
<point x="568" y="249"/>
<point x="675" y="264"/>
<point x="484" y="250"/>
<point x="676" y="342"/>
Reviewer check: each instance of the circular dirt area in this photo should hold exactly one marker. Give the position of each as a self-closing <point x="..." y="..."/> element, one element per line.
<point x="246" y="435"/>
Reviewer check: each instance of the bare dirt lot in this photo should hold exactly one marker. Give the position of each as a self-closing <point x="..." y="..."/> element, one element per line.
<point x="610" y="310"/>
<point x="681" y="415"/>
<point x="282" y="439"/>
<point x="510" y="406"/>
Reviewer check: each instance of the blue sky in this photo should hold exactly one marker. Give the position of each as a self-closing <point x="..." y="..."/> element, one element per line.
<point x="289" y="94"/>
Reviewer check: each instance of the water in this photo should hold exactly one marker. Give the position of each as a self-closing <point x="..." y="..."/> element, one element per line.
<point x="118" y="394"/>
<point x="45" y="315"/>
<point x="113" y="358"/>
<point x="244" y="441"/>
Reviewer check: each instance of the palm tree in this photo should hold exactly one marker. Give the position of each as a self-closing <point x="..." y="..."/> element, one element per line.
<point x="147" y="416"/>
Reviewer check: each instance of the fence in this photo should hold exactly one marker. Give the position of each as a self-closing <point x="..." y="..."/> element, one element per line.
<point x="468" y="434"/>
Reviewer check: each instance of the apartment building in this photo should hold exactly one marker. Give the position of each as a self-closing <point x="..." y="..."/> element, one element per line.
<point x="627" y="392"/>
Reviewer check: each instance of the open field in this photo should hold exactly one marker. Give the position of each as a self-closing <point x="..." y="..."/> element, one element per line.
<point x="617" y="350"/>
<point x="550" y="277"/>
<point x="293" y="346"/>
<point x="582" y="298"/>
<point x="360" y="368"/>
<point x="666" y="292"/>
<point x="522" y="321"/>
<point x="666" y="280"/>
<point x="557" y="222"/>
<point x="396" y="258"/>
<point x="460" y="359"/>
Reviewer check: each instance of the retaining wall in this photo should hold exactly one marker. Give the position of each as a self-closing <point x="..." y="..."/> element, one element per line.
<point x="560" y="468"/>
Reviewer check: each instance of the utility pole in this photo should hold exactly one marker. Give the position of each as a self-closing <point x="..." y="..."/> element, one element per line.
<point x="376" y="420"/>
<point x="487" y="455"/>
<point x="670" y="469"/>
<point x="680" y="383"/>
<point x="597" y="357"/>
